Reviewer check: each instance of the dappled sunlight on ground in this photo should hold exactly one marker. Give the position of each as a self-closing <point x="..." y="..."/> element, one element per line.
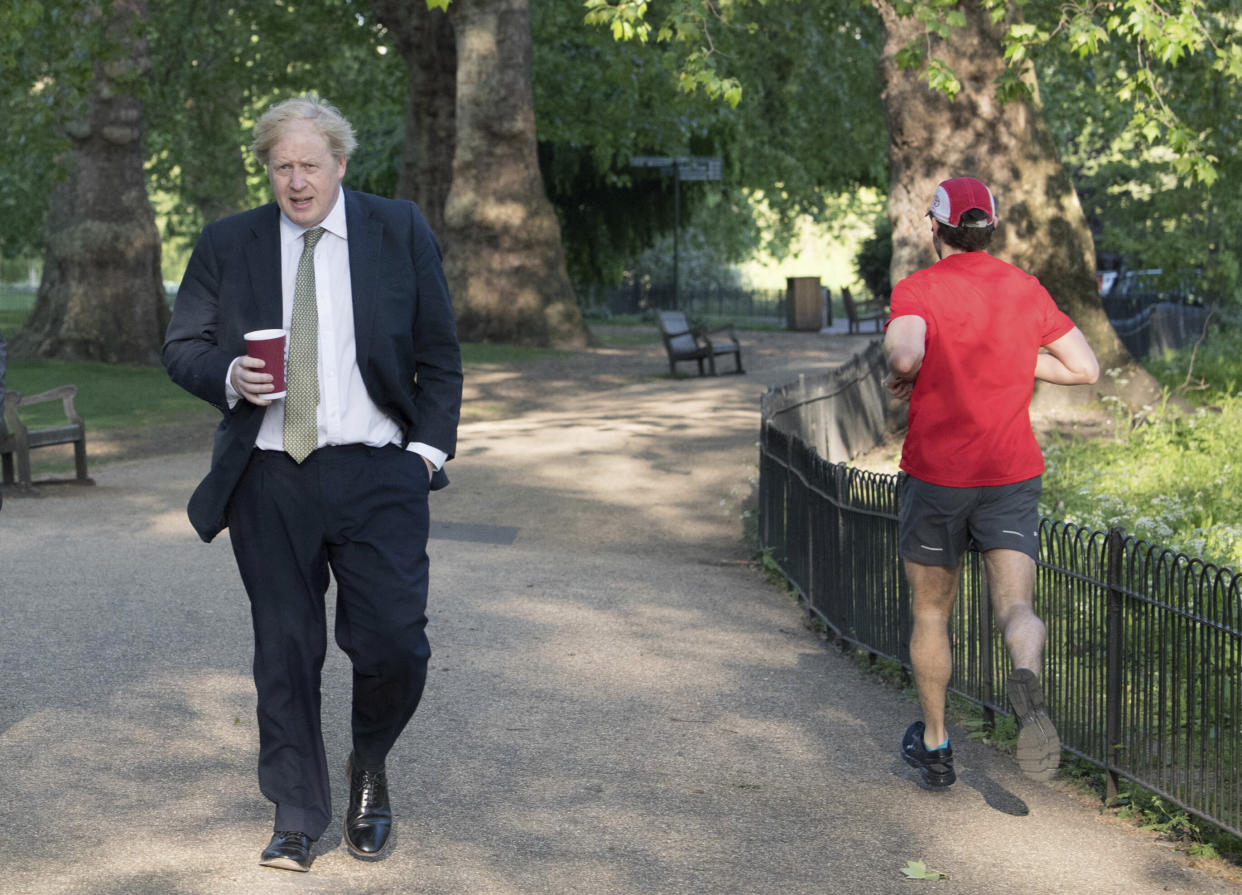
<point x="616" y="703"/>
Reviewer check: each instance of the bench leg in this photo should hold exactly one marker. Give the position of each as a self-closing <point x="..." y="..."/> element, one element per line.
<point x="23" y="466"/>
<point x="79" y="458"/>
<point x="6" y="468"/>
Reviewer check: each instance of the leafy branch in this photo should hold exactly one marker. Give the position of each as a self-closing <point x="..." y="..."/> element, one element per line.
<point x="1159" y="37"/>
<point x="686" y="24"/>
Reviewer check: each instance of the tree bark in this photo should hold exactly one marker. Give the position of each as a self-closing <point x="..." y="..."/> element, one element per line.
<point x="102" y="296"/>
<point x="1010" y="148"/>
<point x="503" y="253"/>
<point x="425" y="40"/>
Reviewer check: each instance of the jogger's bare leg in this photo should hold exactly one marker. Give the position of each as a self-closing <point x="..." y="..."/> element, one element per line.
<point x="1011" y="584"/>
<point x="1011" y="581"/>
<point x="933" y="589"/>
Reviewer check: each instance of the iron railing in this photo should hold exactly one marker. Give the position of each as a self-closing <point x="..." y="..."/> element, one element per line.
<point x="718" y="301"/>
<point x="1154" y="328"/>
<point x="1143" y="664"/>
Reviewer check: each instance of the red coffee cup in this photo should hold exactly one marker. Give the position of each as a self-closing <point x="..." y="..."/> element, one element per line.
<point x="268" y="345"/>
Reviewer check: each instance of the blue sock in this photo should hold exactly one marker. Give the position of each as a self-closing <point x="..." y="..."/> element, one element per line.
<point x="944" y="745"/>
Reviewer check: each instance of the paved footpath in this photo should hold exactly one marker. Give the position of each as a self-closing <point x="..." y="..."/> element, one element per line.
<point x="617" y="703"/>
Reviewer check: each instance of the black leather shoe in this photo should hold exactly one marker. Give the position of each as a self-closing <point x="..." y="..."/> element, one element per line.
<point x="368" y="823"/>
<point x="288" y="851"/>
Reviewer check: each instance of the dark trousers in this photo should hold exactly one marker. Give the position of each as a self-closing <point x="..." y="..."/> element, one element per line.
<point x="362" y="513"/>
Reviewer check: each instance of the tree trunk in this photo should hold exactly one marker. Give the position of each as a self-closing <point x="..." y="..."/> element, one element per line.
<point x="1009" y="147"/>
<point x="102" y="297"/>
<point x="503" y="253"/>
<point x="425" y="40"/>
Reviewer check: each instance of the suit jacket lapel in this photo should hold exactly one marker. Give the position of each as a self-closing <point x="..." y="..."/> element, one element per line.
<point x="365" y="239"/>
<point x="263" y="258"/>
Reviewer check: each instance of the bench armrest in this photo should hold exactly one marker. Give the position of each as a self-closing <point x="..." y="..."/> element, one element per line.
<point x="15" y="400"/>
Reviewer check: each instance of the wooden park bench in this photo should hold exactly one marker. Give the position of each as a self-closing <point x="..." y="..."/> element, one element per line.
<point x="685" y="342"/>
<point x="860" y="312"/>
<point x="17" y="440"/>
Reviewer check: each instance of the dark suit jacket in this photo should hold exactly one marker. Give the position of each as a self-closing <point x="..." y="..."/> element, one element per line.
<point x="403" y="322"/>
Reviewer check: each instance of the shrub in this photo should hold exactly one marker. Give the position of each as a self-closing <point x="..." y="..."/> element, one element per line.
<point x="1170" y="476"/>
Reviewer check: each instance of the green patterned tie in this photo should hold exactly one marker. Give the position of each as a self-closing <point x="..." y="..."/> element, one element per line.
<point x="302" y="374"/>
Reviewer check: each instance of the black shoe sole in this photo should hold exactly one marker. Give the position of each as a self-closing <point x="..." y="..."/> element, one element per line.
<point x="931" y="779"/>
<point x="1039" y="747"/>
<point x="283" y="864"/>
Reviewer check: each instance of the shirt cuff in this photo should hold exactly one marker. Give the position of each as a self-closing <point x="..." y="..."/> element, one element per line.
<point x="231" y="394"/>
<point x="435" y="455"/>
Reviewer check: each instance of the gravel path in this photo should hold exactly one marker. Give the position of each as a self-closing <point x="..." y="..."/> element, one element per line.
<point x="618" y="703"/>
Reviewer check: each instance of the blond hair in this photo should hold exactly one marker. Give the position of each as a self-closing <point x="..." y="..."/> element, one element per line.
<point x="326" y="118"/>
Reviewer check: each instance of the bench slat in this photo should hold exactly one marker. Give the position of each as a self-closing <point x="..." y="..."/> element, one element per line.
<point x="63" y="435"/>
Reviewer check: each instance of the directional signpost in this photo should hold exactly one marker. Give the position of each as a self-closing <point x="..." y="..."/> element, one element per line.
<point x="682" y="167"/>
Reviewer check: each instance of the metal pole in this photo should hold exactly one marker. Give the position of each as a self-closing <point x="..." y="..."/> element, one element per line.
<point x="1112" y="680"/>
<point x="986" y="658"/>
<point x="676" y="229"/>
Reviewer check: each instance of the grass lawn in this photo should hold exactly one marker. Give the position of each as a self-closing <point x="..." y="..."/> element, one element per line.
<point x="1171" y="477"/>
<point x="118" y="396"/>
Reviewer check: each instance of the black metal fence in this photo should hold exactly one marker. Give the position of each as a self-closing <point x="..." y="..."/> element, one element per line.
<point x="718" y="301"/>
<point x="1143" y="666"/>
<point x="1151" y="328"/>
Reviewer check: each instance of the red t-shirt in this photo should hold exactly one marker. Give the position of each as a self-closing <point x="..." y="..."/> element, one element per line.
<point x="970" y="422"/>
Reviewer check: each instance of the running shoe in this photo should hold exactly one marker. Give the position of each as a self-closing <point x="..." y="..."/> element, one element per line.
<point x="1039" y="747"/>
<point x="934" y="765"/>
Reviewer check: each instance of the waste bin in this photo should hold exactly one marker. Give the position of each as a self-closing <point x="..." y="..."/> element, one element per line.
<point x="804" y="303"/>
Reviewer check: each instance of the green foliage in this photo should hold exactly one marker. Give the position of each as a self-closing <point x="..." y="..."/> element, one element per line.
<point x="598" y="102"/>
<point x="206" y="85"/>
<point x="1170" y="477"/>
<point x="1002" y="732"/>
<point x="693" y="27"/>
<point x="772" y="572"/>
<point x="212" y="81"/>
<point x="1197" y="837"/>
<point x="875" y="257"/>
<point x="1205" y="375"/>
<point x="1143" y="202"/>
<point x="45" y="86"/>
<point x="1153" y="813"/>
<point x="1144" y="97"/>
<point x="700" y="264"/>
<point x="1146" y="48"/>
<point x="809" y="125"/>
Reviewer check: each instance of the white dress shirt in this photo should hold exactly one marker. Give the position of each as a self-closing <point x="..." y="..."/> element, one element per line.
<point x="346" y="413"/>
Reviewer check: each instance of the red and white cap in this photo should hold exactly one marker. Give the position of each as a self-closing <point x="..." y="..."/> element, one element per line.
<point x="961" y="194"/>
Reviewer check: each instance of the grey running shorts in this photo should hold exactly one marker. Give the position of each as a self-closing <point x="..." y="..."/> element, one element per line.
<point x="938" y="523"/>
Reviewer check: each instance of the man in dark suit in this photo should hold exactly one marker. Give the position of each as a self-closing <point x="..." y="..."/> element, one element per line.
<point x="335" y="475"/>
